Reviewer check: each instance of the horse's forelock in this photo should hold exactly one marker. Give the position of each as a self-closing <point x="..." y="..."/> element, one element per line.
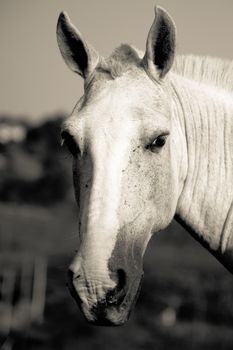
<point x="123" y="59"/>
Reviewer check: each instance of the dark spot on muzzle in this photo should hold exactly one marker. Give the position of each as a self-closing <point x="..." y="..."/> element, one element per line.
<point x="99" y="310"/>
<point x="116" y="296"/>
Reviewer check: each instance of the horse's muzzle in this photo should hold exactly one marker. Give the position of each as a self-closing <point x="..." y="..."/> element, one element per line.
<point x="114" y="308"/>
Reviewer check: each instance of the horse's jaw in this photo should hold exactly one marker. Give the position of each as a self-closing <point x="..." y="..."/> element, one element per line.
<point x="113" y="310"/>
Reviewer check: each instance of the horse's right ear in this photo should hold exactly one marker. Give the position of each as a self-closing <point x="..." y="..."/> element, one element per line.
<point x="160" y="46"/>
<point x="78" y="55"/>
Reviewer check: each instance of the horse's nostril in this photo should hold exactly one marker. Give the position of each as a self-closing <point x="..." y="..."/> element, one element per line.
<point x="70" y="283"/>
<point x="121" y="279"/>
<point x="70" y="275"/>
<point x="116" y="295"/>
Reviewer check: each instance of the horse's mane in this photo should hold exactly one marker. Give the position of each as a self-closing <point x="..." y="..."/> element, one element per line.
<point x="209" y="70"/>
<point x="213" y="71"/>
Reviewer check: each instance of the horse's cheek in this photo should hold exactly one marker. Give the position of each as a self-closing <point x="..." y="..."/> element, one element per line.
<point x="160" y="191"/>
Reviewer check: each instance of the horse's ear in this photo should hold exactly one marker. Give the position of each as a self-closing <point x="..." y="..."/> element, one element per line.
<point x="78" y="55"/>
<point x="160" y="46"/>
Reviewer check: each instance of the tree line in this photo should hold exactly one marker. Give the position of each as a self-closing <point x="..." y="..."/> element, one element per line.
<point x="34" y="168"/>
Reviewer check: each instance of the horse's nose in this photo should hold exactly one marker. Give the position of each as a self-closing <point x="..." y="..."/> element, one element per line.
<point x="104" y="303"/>
<point x="113" y="297"/>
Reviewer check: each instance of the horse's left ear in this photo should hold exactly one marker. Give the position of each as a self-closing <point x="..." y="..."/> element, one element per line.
<point x="160" y="46"/>
<point x="80" y="56"/>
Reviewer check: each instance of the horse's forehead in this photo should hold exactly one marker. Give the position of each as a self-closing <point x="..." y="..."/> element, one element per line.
<point x="124" y="94"/>
<point x="105" y="89"/>
<point x="128" y="101"/>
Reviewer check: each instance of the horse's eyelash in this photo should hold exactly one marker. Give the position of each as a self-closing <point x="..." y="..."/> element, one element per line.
<point x="158" y="134"/>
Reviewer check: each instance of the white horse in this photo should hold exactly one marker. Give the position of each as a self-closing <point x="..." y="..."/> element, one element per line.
<point x="151" y="139"/>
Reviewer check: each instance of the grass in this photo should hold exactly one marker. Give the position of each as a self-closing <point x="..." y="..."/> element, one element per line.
<point x="186" y="300"/>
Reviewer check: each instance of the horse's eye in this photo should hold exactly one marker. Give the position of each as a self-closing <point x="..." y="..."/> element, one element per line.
<point x="70" y="143"/>
<point x="158" y="143"/>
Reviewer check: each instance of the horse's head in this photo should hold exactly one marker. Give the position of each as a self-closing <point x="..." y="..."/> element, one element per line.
<point x="126" y="177"/>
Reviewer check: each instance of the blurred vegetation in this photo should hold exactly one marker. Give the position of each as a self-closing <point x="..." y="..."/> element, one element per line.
<point x="33" y="166"/>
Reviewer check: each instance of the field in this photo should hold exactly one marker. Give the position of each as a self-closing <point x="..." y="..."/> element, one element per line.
<point x="186" y="301"/>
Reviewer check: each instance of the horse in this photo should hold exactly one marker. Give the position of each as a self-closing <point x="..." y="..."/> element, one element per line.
<point x="151" y="140"/>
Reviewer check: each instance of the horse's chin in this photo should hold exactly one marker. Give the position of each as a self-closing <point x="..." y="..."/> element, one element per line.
<point x="104" y="314"/>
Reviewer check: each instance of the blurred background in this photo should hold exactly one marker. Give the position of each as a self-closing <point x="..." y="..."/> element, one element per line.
<point x="187" y="296"/>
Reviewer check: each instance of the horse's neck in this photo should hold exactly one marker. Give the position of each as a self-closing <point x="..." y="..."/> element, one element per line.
<point x="206" y="202"/>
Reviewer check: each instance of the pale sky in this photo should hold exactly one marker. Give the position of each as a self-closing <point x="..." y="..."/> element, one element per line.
<point x="35" y="81"/>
